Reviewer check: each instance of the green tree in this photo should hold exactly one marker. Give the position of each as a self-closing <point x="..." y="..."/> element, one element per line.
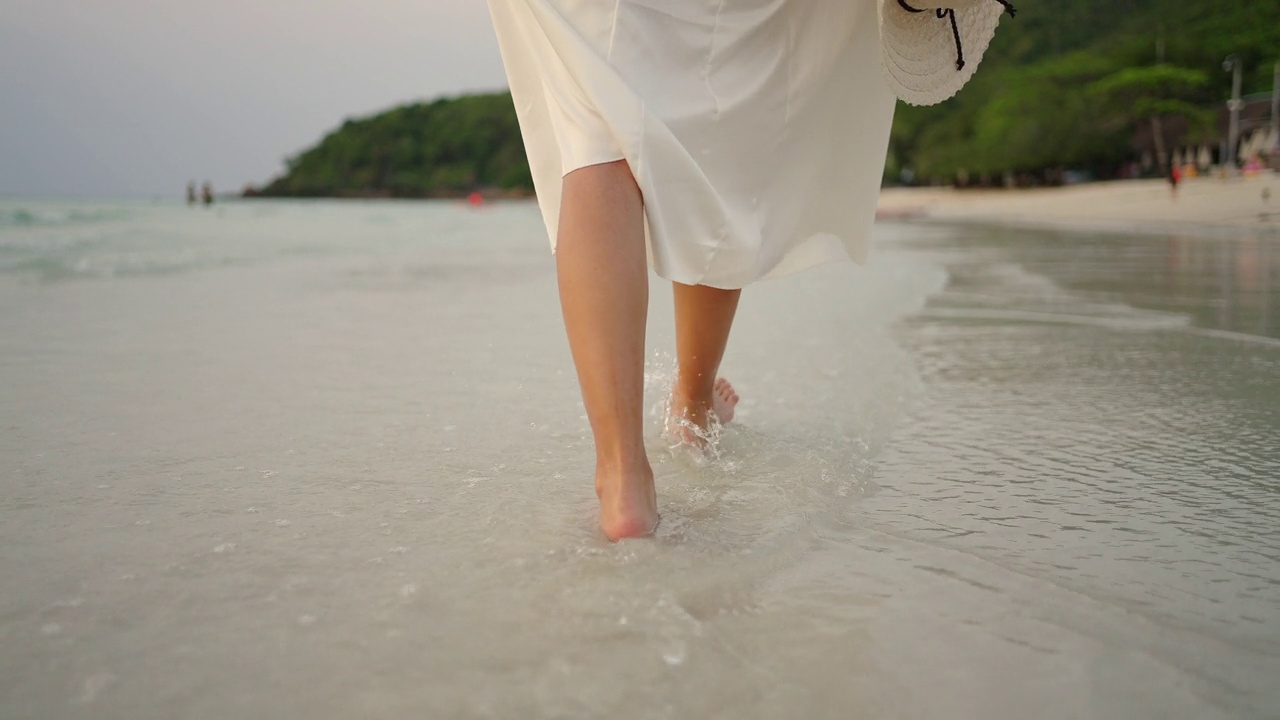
<point x="1149" y="94"/>
<point x="444" y="148"/>
<point x="1065" y="85"/>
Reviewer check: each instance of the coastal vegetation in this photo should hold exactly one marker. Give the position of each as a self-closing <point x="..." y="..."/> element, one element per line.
<point x="445" y="148"/>
<point x="1067" y="84"/>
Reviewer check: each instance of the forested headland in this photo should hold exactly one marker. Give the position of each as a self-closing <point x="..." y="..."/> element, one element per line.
<point x="445" y="148"/>
<point x="1067" y="84"/>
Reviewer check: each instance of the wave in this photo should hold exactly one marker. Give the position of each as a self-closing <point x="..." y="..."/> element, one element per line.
<point x="23" y="217"/>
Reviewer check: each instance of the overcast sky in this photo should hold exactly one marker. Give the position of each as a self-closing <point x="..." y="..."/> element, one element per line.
<point x="115" y="98"/>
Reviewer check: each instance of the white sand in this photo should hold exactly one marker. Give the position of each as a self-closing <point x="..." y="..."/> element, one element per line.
<point x="1201" y="204"/>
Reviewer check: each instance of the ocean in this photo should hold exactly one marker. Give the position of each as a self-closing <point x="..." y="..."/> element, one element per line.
<point x="328" y="460"/>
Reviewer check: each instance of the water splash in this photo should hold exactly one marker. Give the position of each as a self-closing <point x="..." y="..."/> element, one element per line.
<point x="681" y="436"/>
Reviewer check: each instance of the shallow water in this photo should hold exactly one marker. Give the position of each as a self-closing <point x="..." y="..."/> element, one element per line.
<point x="327" y="460"/>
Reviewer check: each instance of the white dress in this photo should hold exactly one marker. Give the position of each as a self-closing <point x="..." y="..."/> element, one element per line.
<point x="756" y="129"/>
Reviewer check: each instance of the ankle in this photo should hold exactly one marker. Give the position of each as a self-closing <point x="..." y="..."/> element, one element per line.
<point x="690" y="404"/>
<point x="625" y="463"/>
<point x="696" y="390"/>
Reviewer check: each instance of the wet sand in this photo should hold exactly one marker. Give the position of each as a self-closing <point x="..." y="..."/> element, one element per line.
<point x="327" y="460"/>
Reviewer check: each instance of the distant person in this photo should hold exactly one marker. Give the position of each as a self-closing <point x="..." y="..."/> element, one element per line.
<point x="191" y="193"/>
<point x="722" y="143"/>
<point x="1175" y="177"/>
<point x="206" y="193"/>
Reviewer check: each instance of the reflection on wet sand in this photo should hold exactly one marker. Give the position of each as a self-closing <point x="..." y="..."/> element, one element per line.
<point x="1226" y="281"/>
<point x="1232" y="278"/>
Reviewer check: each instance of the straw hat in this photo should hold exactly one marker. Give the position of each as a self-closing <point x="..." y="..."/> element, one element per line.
<point x="930" y="48"/>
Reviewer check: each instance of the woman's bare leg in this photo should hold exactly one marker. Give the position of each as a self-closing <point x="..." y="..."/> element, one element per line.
<point x="604" y="295"/>
<point x="704" y="316"/>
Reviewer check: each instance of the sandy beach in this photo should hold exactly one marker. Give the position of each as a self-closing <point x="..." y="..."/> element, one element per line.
<point x="327" y="460"/>
<point x="1207" y="204"/>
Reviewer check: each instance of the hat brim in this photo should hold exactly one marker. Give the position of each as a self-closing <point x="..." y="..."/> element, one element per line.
<point x="918" y="50"/>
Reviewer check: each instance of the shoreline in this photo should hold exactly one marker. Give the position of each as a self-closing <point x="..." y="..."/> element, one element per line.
<point x="1204" y="206"/>
<point x="1208" y="206"/>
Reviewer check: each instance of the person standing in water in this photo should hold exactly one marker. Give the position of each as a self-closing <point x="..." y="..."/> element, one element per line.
<point x="718" y="144"/>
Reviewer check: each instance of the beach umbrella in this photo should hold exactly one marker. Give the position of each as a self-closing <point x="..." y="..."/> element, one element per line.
<point x="1251" y="147"/>
<point x="1204" y="159"/>
<point x="1269" y="141"/>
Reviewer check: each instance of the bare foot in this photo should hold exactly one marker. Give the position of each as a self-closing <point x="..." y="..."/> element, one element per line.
<point x="691" y="421"/>
<point x="628" y="503"/>
<point x="723" y="400"/>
